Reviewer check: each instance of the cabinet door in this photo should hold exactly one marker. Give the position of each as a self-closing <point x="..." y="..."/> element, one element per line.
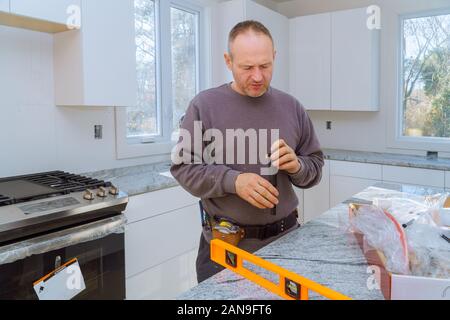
<point x="4" y="5"/>
<point x="165" y="281"/>
<point x="49" y="10"/>
<point x="278" y="26"/>
<point x="310" y="59"/>
<point x="153" y="241"/>
<point x="317" y="199"/>
<point x="355" y="62"/>
<point x="343" y="188"/>
<point x="415" y="176"/>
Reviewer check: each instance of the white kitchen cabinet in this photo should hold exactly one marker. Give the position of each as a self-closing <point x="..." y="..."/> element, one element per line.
<point x="150" y="204"/>
<point x="96" y="66"/>
<point x="317" y="198"/>
<point x="4" y="5"/>
<point x="414" y="176"/>
<point x="165" y="281"/>
<point x="343" y="188"/>
<point x="355" y="62"/>
<point x="153" y="241"/>
<point x="226" y="15"/>
<point x="335" y="61"/>
<point x="356" y="169"/>
<point x="49" y="10"/>
<point x="310" y="60"/>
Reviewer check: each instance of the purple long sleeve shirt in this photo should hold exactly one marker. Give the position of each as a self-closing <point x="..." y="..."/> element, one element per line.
<point x="223" y="108"/>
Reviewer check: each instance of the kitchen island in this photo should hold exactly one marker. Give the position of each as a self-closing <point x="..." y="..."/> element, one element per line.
<point x="322" y="250"/>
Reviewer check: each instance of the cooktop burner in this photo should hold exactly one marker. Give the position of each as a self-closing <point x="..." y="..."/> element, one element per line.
<point x="43" y="185"/>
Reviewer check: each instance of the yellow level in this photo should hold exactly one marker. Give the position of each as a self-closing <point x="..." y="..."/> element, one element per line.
<point x="291" y="286"/>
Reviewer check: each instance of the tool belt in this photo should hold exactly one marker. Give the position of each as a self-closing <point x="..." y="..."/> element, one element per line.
<point x="231" y="232"/>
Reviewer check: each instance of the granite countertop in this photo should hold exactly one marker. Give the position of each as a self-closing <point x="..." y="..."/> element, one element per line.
<point x="138" y="179"/>
<point x="146" y="178"/>
<point x="388" y="159"/>
<point x="321" y="250"/>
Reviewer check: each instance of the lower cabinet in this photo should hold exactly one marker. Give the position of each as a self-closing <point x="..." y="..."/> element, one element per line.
<point x="343" y="188"/>
<point x="161" y="240"/>
<point x="316" y="200"/>
<point x="164" y="281"/>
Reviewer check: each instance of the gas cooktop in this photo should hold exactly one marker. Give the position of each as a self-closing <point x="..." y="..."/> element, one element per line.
<point x="39" y="203"/>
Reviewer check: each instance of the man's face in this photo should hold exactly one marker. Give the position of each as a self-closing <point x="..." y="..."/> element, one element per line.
<point x="251" y="62"/>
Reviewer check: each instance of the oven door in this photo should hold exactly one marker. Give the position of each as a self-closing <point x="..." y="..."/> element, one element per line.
<point x="102" y="263"/>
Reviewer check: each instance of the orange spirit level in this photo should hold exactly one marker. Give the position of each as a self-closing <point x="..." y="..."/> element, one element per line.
<point x="291" y="285"/>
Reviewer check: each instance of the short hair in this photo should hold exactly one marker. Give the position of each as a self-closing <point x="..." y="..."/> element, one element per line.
<point x="243" y="27"/>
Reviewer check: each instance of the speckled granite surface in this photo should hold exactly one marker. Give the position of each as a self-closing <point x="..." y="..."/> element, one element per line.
<point x="138" y="179"/>
<point x="146" y="178"/>
<point x="388" y="159"/>
<point x="321" y="250"/>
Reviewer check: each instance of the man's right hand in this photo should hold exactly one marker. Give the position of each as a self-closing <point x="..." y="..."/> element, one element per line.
<point x="256" y="190"/>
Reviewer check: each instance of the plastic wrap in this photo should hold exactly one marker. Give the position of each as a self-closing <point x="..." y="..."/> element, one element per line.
<point x="382" y="232"/>
<point x="406" y="229"/>
<point x="62" y="239"/>
<point x="429" y="252"/>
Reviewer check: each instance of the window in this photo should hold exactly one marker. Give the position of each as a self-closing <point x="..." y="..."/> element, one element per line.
<point x="184" y="27"/>
<point x="142" y="120"/>
<point x="168" y="38"/>
<point x="425" y="89"/>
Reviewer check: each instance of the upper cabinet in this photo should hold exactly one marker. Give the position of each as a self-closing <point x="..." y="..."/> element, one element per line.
<point x="96" y="66"/>
<point x="310" y="61"/>
<point x="226" y="15"/>
<point x="335" y="61"/>
<point x="51" y="16"/>
<point x="48" y="10"/>
<point x="355" y="62"/>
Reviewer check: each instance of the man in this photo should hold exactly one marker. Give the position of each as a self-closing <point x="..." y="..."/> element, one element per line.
<point x="237" y="191"/>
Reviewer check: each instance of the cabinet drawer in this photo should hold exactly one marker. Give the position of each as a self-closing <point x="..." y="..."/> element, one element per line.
<point x="154" y="203"/>
<point x="153" y="241"/>
<point x="343" y="188"/>
<point x="416" y="176"/>
<point x="356" y="170"/>
<point x="165" y="281"/>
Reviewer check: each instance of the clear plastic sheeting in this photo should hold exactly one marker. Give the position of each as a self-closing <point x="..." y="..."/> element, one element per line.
<point x="406" y="229"/>
<point x="61" y="239"/>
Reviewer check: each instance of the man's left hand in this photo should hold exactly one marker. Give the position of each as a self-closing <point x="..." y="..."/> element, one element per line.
<point x="284" y="158"/>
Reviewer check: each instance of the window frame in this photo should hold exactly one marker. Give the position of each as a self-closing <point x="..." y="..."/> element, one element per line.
<point x="162" y="144"/>
<point x="396" y="139"/>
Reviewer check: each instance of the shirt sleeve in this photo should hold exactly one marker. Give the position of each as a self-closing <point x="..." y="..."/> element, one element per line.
<point x="309" y="154"/>
<point x="193" y="174"/>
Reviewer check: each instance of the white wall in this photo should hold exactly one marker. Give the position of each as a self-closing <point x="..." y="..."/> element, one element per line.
<point x="365" y="130"/>
<point x="35" y="135"/>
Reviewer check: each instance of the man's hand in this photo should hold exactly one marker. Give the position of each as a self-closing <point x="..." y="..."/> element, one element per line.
<point x="284" y="158"/>
<point x="256" y="190"/>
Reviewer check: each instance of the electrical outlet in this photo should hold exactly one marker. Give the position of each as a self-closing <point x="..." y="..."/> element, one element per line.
<point x="98" y="132"/>
<point x="328" y="125"/>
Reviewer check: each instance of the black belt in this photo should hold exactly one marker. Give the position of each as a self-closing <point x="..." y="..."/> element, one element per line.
<point x="260" y="232"/>
<point x="271" y="230"/>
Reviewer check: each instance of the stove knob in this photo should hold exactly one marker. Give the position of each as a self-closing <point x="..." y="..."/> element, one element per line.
<point x="114" y="190"/>
<point x="88" y="195"/>
<point x="101" y="192"/>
